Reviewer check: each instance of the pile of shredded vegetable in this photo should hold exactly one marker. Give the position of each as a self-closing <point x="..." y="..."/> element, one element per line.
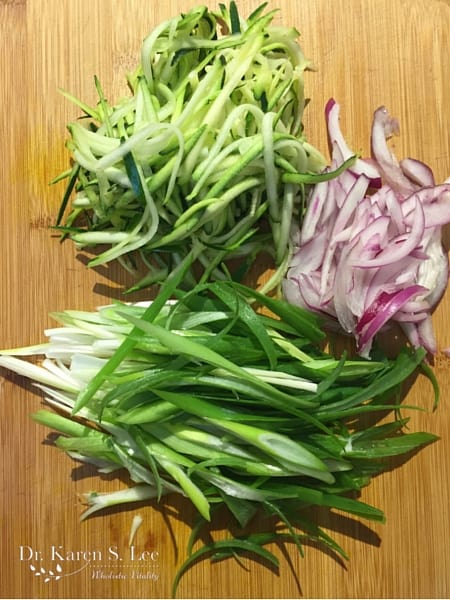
<point x="195" y="158"/>
<point x="229" y="407"/>
<point x="369" y="249"/>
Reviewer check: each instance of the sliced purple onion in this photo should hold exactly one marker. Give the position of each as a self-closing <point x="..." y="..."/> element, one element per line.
<point x="418" y="172"/>
<point x="370" y="250"/>
<point x="383" y="127"/>
<point x="360" y="167"/>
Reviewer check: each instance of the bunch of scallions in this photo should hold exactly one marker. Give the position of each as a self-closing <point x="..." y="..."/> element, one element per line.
<point x="236" y="409"/>
<point x="207" y="153"/>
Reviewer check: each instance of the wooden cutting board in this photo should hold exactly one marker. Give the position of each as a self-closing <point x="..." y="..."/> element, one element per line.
<point x="367" y="53"/>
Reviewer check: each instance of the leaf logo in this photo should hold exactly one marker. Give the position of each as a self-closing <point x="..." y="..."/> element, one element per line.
<point x="55" y="574"/>
<point x="47" y="575"/>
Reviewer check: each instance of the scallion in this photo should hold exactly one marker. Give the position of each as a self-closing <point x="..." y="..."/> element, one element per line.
<point x="269" y="428"/>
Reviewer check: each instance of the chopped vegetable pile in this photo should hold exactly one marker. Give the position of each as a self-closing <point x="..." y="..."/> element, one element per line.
<point x="205" y="397"/>
<point x="369" y="250"/>
<point x="195" y="157"/>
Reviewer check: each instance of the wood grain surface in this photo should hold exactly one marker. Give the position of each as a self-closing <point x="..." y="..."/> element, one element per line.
<point x="367" y="53"/>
